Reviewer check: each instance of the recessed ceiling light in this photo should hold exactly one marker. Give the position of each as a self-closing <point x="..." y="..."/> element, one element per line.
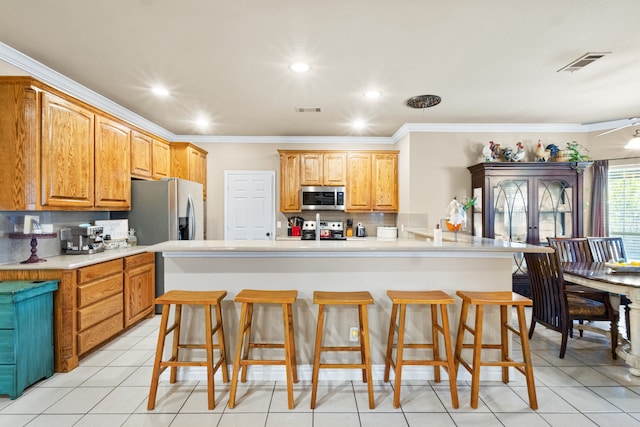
<point x="202" y="122"/>
<point x="300" y="67"/>
<point x="159" y="90"/>
<point x="359" y="124"/>
<point x="372" y="94"/>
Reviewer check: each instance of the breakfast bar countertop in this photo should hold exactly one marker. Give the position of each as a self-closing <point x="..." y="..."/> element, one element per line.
<point x="370" y="246"/>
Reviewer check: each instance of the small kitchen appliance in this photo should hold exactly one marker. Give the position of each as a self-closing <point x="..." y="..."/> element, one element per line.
<point x="323" y="198"/>
<point x="309" y="230"/>
<point x="331" y="230"/>
<point x="80" y="240"/>
<point x="360" y="230"/>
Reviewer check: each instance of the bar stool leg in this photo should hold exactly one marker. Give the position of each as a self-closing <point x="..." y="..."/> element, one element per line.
<point x="292" y="342"/>
<point x="399" y="356"/>
<point x="209" y="350"/>
<point x="316" y="356"/>
<point x="221" y="345"/>
<point x="247" y="342"/>
<point x="477" y="352"/>
<point x="155" y="377"/>
<point x="434" y="337"/>
<point x="392" y="329"/>
<point x="451" y="368"/>
<point x="236" y="359"/>
<point x="524" y="340"/>
<point x="504" y="342"/>
<point x="367" y="353"/>
<point x="464" y="311"/>
<point x="176" y="342"/>
<point x="287" y="355"/>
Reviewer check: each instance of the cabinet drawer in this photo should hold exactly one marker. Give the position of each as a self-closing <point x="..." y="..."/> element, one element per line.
<point x="8" y="380"/>
<point x="92" y="272"/>
<point x="99" y="333"/>
<point x="100" y="289"/>
<point x="134" y="261"/>
<point x="7" y="316"/>
<point x="100" y="311"/>
<point x="7" y="347"/>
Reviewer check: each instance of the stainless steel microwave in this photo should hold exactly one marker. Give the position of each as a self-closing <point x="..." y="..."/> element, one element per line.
<point x="323" y="198"/>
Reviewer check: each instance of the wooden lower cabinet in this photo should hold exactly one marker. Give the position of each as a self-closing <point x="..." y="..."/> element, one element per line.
<point x="95" y="303"/>
<point x="139" y="287"/>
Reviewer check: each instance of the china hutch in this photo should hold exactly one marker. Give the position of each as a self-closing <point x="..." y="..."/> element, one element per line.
<point x="526" y="203"/>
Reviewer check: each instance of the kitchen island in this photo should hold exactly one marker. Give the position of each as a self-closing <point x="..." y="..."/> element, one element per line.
<point x="357" y="264"/>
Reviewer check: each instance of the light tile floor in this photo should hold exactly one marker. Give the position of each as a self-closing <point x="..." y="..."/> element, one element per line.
<point x="111" y="386"/>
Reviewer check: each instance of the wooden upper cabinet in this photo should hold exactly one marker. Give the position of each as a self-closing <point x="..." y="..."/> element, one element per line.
<point x="334" y="171"/>
<point x="358" y="182"/>
<point x="19" y="145"/>
<point x="161" y="160"/>
<point x="311" y="169"/>
<point x="385" y="181"/>
<point x="141" y="155"/>
<point x="289" y="182"/>
<point x="112" y="160"/>
<point x="189" y="162"/>
<point x="67" y="154"/>
<point x="323" y="169"/>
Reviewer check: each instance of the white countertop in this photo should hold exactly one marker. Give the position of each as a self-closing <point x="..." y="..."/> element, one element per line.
<point x="70" y="262"/>
<point x="370" y="246"/>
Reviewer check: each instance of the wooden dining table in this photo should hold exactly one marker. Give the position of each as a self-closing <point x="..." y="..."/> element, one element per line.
<point x="598" y="275"/>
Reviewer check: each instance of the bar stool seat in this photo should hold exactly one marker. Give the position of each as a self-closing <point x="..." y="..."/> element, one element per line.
<point x="249" y="297"/>
<point x="504" y="300"/>
<point x="178" y="298"/>
<point x="361" y="299"/>
<point x="435" y="299"/>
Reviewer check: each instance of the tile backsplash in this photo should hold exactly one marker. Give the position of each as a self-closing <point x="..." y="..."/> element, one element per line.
<point x="16" y="250"/>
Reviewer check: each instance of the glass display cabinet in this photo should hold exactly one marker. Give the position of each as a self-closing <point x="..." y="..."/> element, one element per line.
<point x="526" y="203"/>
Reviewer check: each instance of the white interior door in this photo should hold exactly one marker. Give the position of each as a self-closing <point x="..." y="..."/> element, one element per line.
<point x="249" y="205"/>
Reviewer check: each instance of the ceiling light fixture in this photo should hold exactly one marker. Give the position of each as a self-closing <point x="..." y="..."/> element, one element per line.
<point x="359" y="124"/>
<point x="159" y="90"/>
<point x="634" y="142"/>
<point x="372" y="94"/>
<point x="202" y="122"/>
<point x="300" y="67"/>
<point x="423" y="101"/>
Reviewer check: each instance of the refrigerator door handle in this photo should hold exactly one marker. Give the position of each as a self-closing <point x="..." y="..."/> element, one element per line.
<point x="191" y="214"/>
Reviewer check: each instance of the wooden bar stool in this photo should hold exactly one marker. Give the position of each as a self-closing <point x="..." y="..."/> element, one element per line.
<point x="504" y="300"/>
<point x="435" y="299"/>
<point x="207" y="299"/>
<point x="248" y="298"/>
<point x="361" y="299"/>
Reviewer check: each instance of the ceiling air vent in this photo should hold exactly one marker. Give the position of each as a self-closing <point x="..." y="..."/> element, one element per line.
<point x="309" y="109"/>
<point x="583" y="61"/>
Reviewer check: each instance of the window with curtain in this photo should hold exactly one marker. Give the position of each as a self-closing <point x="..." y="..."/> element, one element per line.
<point x="624" y="206"/>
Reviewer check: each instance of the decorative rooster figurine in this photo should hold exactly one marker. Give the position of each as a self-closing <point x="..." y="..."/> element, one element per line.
<point x="518" y="156"/>
<point x="542" y="155"/>
<point x="512" y="156"/>
<point x="488" y="152"/>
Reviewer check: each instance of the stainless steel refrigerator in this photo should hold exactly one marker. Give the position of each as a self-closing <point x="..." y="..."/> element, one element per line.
<point x="169" y="209"/>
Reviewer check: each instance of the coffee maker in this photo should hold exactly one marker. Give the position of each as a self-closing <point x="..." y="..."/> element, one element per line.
<point x="79" y="240"/>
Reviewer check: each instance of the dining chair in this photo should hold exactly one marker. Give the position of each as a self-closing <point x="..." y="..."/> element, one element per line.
<point x="571" y="249"/>
<point x="576" y="249"/>
<point x="557" y="306"/>
<point x="605" y="249"/>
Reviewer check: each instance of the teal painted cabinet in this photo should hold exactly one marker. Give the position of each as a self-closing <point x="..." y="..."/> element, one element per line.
<point x="26" y="334"/>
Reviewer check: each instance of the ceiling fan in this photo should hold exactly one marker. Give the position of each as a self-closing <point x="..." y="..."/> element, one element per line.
<point x="634" y="121"/>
